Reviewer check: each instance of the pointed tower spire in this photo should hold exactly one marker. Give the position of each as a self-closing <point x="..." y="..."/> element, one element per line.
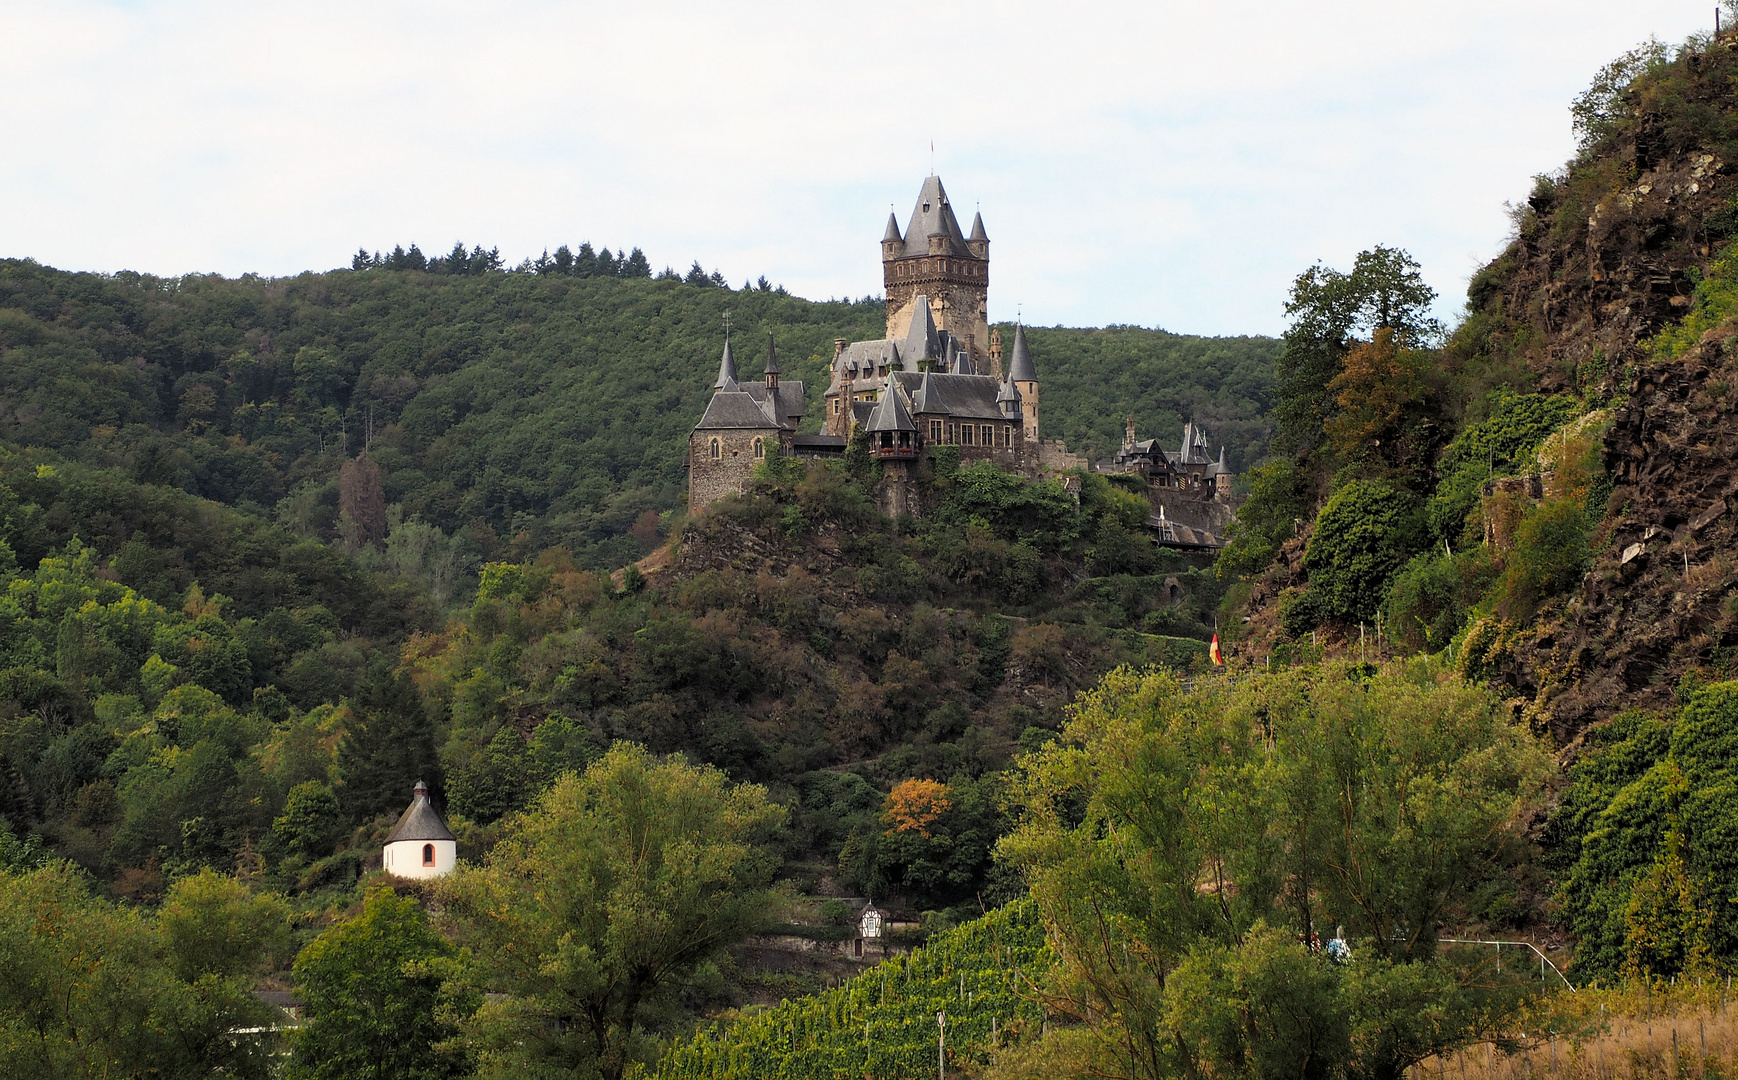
<point x="920" y="341"/>
<point x="1020" y="367"/>
<point x="922" y="400"/>
<point x="726" y="368"/>
<point x="978" y="243"/>
<point x="771" y="364"/>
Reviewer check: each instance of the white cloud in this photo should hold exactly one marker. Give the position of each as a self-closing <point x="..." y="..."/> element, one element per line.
<point x="1160" y="163"/>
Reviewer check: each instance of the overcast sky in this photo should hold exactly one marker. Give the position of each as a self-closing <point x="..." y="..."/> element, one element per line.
<point x="1161" y="163"/>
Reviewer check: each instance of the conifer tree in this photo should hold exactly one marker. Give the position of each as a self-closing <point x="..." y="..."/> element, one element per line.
<point x="388" y="747"/>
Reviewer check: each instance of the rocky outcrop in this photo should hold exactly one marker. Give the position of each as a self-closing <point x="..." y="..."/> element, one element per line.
<point x="1661" y="598"/>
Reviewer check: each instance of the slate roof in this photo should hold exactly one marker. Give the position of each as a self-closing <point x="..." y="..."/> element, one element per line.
<point x="1194" y="451"/>
<point x="871" y="355"/>
<point x="978" y="234"/>
<point x="933" y="214"/>
<point x="736" y="410"/>
<point x="1008" y="392"/>
<point x="726" y="369"/>
<point x="892" y="233"/>
<point x="1020" y="367"/>
<point x="420" y="821"/>
<point x="921" y="341"/>
<point x="890" y="414"/>
<point x="969" y="397"/>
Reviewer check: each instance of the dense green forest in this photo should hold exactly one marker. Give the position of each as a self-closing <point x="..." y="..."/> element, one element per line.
<point x="514" y="411"/>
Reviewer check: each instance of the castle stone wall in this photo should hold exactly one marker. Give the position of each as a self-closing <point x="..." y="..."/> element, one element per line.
<point x="710" y="478"/>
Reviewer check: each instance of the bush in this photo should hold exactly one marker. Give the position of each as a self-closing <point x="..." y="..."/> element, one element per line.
<point x="1432" y="596"/>
<point x="1493" y="447"/>
<point x="1366" y="532"/>
<point x="1549" y="557"/>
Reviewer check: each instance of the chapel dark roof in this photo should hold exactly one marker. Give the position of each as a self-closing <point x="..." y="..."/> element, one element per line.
<point x="420" y="821"/>
<point x="930" y="215"/>
<point x="735" y="410"/>
<point x="726" y="369"/>
<point x="1020" y="367"/>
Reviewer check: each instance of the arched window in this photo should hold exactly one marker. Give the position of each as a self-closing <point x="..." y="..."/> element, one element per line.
<point x="715" y="447"/>
<point x="428" y="854"/>
<point x="759" y="448"/>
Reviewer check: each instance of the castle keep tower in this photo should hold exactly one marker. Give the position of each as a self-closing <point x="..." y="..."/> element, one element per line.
<point x="934" y="259"/>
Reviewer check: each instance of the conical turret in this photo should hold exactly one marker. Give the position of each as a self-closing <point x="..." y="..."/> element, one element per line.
<point x="892" y="244"/>
<point x="772" y="371"/>
<point x="726" y="369"/>
<point x="979" y="241"/>
<point x="1020" y="367"/>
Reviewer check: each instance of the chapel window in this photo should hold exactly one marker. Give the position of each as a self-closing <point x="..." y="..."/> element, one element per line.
<point x="715" y="447"/>
<point x="759" y="448"/>
<point x="428" y="854"/>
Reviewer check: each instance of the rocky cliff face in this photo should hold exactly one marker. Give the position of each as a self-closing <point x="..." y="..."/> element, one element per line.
<point x="1606" y="257"/>
<point x="1661" y="599"/>
<point x="1608" y="253"/>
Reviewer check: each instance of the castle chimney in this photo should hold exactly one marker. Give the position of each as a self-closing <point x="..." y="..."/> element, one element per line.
<point x="1128" y="433"/>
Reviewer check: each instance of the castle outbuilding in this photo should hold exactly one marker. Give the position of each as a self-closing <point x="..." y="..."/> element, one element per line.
<point x="420" y="845"/>
<point x="742" y="425"/>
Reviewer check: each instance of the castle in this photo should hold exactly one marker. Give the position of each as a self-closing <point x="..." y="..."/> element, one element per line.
<point x="936" y="379"/>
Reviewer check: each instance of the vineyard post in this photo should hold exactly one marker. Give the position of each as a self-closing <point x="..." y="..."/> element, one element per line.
<point x="941" y="1046"/>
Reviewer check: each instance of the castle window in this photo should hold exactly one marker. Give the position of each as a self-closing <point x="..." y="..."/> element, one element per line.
<point x="965" y="434"/>
<point x="953" y="433"/>
<point x="935" y="431"/>
<point x="428" y="854"/>
<point x="759" y="448"/>
<point x="714" y="448"/>
<point x="985" y="435"/>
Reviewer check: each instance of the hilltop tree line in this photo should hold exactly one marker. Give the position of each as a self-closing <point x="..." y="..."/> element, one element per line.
<point x="566" y="262"/>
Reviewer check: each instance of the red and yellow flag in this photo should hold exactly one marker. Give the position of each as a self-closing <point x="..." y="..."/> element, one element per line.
<point x="1214" y="654"/>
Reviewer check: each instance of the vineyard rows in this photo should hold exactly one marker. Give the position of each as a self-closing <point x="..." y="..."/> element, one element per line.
<point x="881" y="1025"/>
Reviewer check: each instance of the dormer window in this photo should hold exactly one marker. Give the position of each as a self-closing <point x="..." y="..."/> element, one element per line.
<point x="926" y="208"/>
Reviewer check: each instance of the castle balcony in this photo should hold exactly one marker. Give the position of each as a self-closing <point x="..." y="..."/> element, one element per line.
<point x="885" y="452"/>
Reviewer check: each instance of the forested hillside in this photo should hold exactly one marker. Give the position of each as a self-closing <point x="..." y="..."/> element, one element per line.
<point x="513" y="411"/>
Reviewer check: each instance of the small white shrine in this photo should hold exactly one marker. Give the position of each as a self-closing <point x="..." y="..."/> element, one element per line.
<point x="421" y="845"/>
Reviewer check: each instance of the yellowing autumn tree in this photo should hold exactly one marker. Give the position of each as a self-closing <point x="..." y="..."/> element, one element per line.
<point x="1375" y="384"/>
<point x="915" y="805"/>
